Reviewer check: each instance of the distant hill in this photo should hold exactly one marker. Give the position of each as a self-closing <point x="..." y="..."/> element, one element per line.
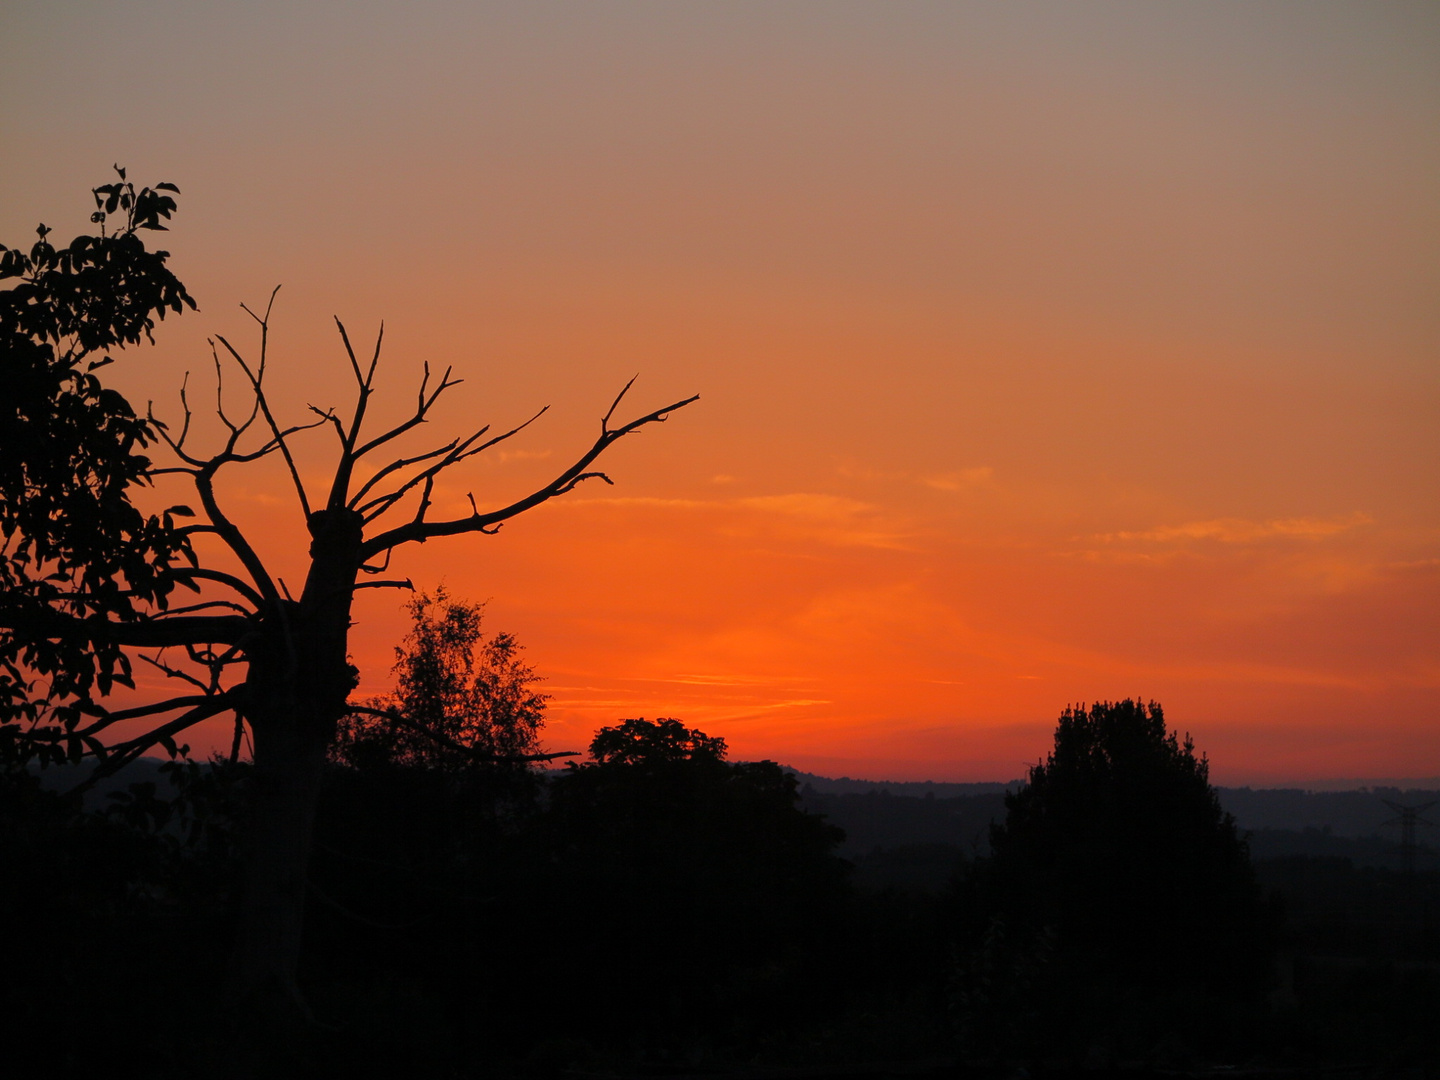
<point x="891" y="815"/>
<point x="884" y="820"/>
<point x="915" y="789"/>
<point x="1360" y="811"/>
<point x="1344" y="813"/>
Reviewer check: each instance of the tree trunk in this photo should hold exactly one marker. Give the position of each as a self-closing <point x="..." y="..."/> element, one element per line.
<point x="297" y="686"/>
<point x="289" y="760"/>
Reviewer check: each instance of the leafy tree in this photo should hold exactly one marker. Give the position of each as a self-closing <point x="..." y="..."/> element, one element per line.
<point x="71" y="455"/>
<point x="90" y="577"/>
<point x="673" y="851"/>
<point x="459" y="697"/>
<point x="1119" y="842"/>
<point x="1118" y="851"/>
<point x="654" y="744"/>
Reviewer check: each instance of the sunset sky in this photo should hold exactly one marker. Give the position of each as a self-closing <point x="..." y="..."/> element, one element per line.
<point x="1047" y="353"/>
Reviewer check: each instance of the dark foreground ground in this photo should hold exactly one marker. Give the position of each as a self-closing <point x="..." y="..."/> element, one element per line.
<point x="459" y="932"/>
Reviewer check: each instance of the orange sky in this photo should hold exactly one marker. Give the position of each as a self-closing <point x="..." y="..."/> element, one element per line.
<point x="1047" y="352"/>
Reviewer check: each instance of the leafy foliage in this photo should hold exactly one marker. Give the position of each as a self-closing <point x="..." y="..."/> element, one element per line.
<point x="654" y="743"/>
<point x="71" y="455"/>
<point x="460" y="697"/>
<point x="1118" y="854"/>
<point x="1119" y="842"/>
<point x="676" y="850"/>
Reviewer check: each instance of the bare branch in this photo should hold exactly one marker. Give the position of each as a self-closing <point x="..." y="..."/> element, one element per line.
<point x="419" y="530"/>
<point x="122" y="754"/>
<point x="184" y="404"/>
<point x="233" y="537"/>
<point x="222" y="578"/>
<point x="339" y="491"/>
<point x="265" y="322"/>
<point x="406" y="584"/>
<point x="107" y="717"/>
<point x="190" y="530"/>
<point x="375" y="359"/>
<point x="354" y="364"/>
<point x="156" y="633"/>
<point x="572" y="484"/>
<point x="208" y="605"/>
<point x="423" y="405"/>
<point x="327" y="416"/>
<point x="177" y="446"/>
<point x="236" y="430"/>
<point x="210" y="659"/>
<point x="401" y="720"/>
<point x="239" y="734"/>
<point x="256" y="384"/>
<point x="267" y="448"/>
<point x="459" y="453"/>
<point x="176" y="673"/>
<point x="424" y="507"/>
<point x="605" y="420"/>
<point x="396" y="466"/>
<point x="340" y="487"/>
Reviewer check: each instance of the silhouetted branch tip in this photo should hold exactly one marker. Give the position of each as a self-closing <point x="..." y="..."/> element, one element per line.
<point x="605" y="420"/>
<point x="406" y="584"/>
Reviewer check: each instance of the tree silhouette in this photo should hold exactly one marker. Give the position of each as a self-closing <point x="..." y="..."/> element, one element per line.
<point x="89" y="578"/>
<point x="1118" y="851"/>
<point x="655" y="744"/>
<point x="1118" y="838"/>
<point x="76" y="549"/>
<point x="671" y="851"/>
<point x="460" y="698"/>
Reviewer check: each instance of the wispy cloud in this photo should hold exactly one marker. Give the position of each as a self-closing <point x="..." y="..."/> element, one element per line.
<point x="959" y="481"/>
<point x="803" y="504"/>
<point x="831" y="519"/>
<point x="1241" y="531"/>
<point x="722" y="680"/>
<point x="633" y="500"/>
<point x="852" y="471"/>
<point x="811" y="516"/>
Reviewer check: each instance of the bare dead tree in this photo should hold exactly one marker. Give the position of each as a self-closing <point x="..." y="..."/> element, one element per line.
<point x="248" y="647"/>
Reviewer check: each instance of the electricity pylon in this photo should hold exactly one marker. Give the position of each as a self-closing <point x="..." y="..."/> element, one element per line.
<point x="1408" y="817"/>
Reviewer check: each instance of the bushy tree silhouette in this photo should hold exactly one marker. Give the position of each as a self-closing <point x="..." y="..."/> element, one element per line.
<point x="1117" y="863"/>
<point x="678" y="852"/>
<point x="1120" y="844"/>
<point x="460" y="698"/>
<point x="89" y="577"/>
<point x="655" y="744"/>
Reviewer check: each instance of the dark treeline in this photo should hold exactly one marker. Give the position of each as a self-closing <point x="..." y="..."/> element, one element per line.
<point x="659" y="904"/>
<point x="1278" y="821"/>
<point x="662" y="910"/>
